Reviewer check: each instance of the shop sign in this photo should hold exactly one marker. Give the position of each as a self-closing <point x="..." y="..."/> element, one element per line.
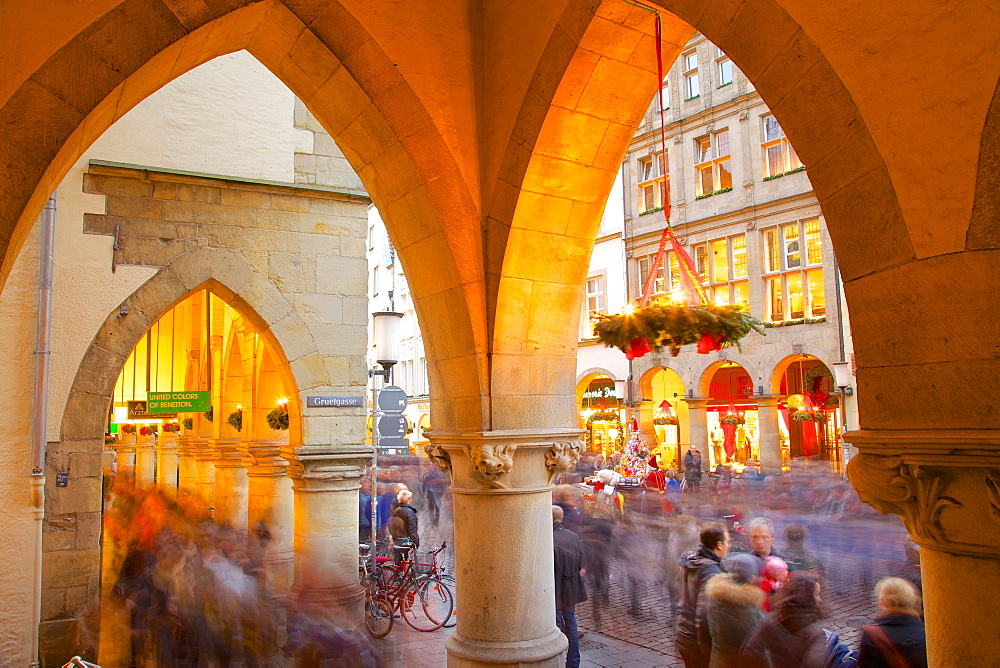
<point x="601" y="393"/>
<point x="335" y="402"/>
<point x="137" y="411"/>
<point x="177" y="402"/>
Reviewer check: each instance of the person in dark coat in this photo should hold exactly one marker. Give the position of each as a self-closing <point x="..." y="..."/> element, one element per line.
<point x="735" y="606"/>
<point x="408" y="514"/>
<point x="365" y="511"/>
<point x="692" y="634"/>
<point x="692" y="468"/>
<point x="790" y="636"/>
<point x="568" y="564"/>
<point x="897" y="639"/>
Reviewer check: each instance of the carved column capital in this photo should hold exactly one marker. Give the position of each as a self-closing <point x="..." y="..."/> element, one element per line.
<point x="229" y="453"/>
<point x="263" y="458"/>
<point x="944" y="485"/>
<point x="504" y="461"/>
<point x="320" y="468"/>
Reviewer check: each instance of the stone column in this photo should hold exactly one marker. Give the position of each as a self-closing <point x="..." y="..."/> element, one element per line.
<point x="125" y="455"/>
<point x="698" y="429"/>
<point x="325" y="482"/>
<point x="270" y="502"/>
<point x="166" y="464"/>
<point x="946" y="487"/>
<point x="204" y="458"/>
<point x="770" y="440"/>
<point x="187" y="475"/>
<point x="145" y="461"/>
<point x="230" y="484"/>
<point x="502" y="482"/>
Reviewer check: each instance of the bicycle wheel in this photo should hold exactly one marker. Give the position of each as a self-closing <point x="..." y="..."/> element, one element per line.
<point x="449" y="582"/>
<point x="378" y="616"/>
<point x="427" y="604"/>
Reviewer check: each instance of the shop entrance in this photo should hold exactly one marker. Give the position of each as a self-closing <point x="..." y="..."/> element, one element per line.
<point x="810" y="417"/>
<point x="732" y="416"/>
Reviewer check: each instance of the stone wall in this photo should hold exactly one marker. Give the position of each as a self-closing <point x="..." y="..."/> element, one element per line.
<point x="291" y="258"/>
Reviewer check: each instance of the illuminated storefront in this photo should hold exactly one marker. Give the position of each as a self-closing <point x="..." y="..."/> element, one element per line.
<point x="602" y="416"/>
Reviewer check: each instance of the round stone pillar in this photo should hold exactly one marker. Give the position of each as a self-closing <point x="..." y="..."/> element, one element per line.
<point x="204" y="459"/>
<point x="502" y="487"/>
<point x="230" y="484"/>
<point x="187" y="474"/>
<point x="946" y="488"/>
<point x="145" y="461"/>
<point x="770" y="441"/>
<point x="325" y="484"/>
<point x="698" y="429"/>
<point x="166" y="464"/>
<point x="270" y="504"/>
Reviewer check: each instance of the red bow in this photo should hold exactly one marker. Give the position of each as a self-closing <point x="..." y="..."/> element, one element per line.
<point x="710" y="342"/>
<point x="637" y="348"/>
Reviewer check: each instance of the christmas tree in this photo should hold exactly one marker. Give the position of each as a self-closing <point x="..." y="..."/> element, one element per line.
<point x="633" y="462"/>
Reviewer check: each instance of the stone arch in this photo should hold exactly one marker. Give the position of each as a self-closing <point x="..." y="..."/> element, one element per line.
<point x="984" y="232"/>
<point x="703" y="380"/>
<point x="337" y="68"/>
<point x="646" y="380"/>
<point x="775" y="367"/>
<point x="226" y="273"/>
<point x="584" y="379"/>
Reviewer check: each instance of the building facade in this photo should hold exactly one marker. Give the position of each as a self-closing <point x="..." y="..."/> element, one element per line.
<point x="741" y="203"/>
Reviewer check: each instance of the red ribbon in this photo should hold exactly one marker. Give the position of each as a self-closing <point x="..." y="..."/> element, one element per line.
<point x="710" y="342"/>
<point x="729" y="442"/>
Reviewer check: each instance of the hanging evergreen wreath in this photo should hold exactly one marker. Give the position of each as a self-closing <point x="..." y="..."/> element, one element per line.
<point x="188" y="423"/>
<point x="210" y="414"/>
<point x="171" y="427"/>
<point x="605" y="416"/>
<point x="235" y="420"/>
<point x="127" y="428"/>
<point x="730" y="418"/>
<point x="277" y="419"/>
<point x="674" y="325"/>
<point x="664" y="421"/>
<point x="809" y="416"/>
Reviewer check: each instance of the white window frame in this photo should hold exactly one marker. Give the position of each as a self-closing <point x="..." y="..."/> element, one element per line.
<point x="665" y="93"/>
<point x="595" y="300"/>
<point x="714" y="162"/>
<point x="787" y="160"/>
<point x="692" y="84"/>
<point x="721" y="61"/>
<point x="653" y="172"/>
<point x="803" y="271"/>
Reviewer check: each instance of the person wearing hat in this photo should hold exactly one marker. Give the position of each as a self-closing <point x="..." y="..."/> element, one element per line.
<point x="735" y="607"/>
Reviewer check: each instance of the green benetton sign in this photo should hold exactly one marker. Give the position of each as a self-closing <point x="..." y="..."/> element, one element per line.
<point x="177" y="402"/>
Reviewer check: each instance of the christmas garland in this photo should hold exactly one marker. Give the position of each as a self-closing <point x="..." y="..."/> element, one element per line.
<point x="277" y="419"/>
<point x="189" y="423"/>
<point x="664" y="420"/>
<point x="127" y="428"/>
<point x="732" y="419"/>
<point x="210" y="414"/>
<point x="809" y="416"/>
<point x="674" y="325"/>
<point x="605" y="416"/>
<point x="171" y="427"/>
<point x="235" y="420"/>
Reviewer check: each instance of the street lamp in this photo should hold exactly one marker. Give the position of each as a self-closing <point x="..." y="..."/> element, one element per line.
<point x="386" y="333"/>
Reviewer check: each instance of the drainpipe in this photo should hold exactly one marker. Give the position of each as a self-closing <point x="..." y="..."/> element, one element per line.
<point x="38" y="438"/>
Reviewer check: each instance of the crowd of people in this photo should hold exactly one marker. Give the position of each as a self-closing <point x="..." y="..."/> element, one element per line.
<point x="194" y="593"/>
<point x="738" y="598"/>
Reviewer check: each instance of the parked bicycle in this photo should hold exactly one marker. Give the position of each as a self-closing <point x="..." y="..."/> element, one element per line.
<point x="413" y="587"/>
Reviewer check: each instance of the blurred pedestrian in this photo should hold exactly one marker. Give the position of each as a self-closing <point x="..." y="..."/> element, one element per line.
<point x="365" y="511"/>
<point x="734" y="608"/>
<point x="408" y="514"/>
<point x="797" y="556"/>
<point x="692" y="468"/>
<point x="897" y="638"/>
<point x="569" y="587"/>
<point x="692" y="634"/>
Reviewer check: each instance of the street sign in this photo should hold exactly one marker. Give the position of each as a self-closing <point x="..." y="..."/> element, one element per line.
<point x="392" y="399"/>
<point x="394" y="443"/>
<point x="137" y="411"/>
<point x="391" y="425"/>
<point x="178" y="402"/>
<point x="393" y="451"/>
<point x="335" y="402"/>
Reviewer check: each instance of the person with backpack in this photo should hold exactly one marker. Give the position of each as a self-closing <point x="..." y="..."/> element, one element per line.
<point x="692" y="635"/>
<point x="897" y="639"/>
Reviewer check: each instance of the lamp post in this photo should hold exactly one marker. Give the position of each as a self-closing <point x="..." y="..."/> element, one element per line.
<point x="386" y="333"/>
<point x="842" y="376"/>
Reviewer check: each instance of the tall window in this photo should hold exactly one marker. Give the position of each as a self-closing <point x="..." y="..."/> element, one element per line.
<point x="595" y="302"/>
<point x="793" y="271"/>
<point x="723" y="67"/>
<point x="779" y="156"/>
<point x="654" y="183"/>
<point x="713" y="170"/>
<point x="691" y="87"/>
<point x="722" y="269"/>
<point x="665" y="93"/>
<point x="667" y="278"/>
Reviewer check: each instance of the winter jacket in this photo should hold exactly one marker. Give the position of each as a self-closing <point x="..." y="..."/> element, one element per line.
<point x="567" y="561"/>
<point x="796" y="642"/>
<point x="408" y="514"/>
<point x="692" y="625"/>
<point x="906" y="632"/>
<point x="692" y="465"/>
<point x="734" y="609"/>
